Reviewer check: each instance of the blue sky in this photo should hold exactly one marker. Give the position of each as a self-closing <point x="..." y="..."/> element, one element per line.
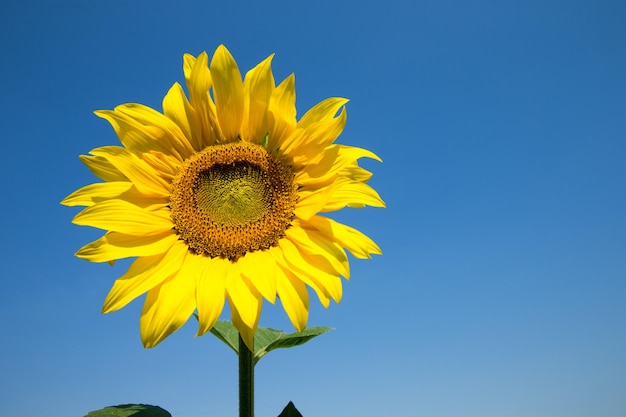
<point x="501" y="291"/>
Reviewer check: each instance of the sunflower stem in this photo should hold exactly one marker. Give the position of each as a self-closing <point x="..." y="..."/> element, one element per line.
<point x="246" y="380"/>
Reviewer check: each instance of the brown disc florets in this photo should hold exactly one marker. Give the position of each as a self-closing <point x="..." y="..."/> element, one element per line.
<point x="231" y="199"/>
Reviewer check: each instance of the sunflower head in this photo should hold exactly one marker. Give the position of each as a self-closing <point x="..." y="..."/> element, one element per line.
<point x="218" y="197"/>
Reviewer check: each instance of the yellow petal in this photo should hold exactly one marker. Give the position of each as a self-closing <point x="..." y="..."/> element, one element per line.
<point x="311" y="202"/>
<point x="324" y="110"/>
<point x="171" y="139"/>
<point x="142" y="175"/>
<point x="131" y="134"/>
<point x="114" y="190"/>
<point x="211" y="276"/>
<point x="178" y="110"/>
<point x="102" y="168"/>
<point x="228" y="92"/>
<point x="94" y="193"/>
<point x="308" y="271"/>
<point x="167" y="307"/>
<point x="315" y="270"/>
<point x="356" y="242"/>
<point x="282" y="112"/>
<point x="205" y="118"/>
<point x="143" y="275"/>
<point x="188" y="63"/>
<point x="243" y="296"/>
<point x="246" y="332"/>
<point x="115" y="245"/>
<point x="349" y="193"/>
<point x="313" y="243"/>
<point x="294" y="298"/>
<point x="143" y="129"/>
<point x="167" y="166"/>
<point x="334" y="161"/>
<point x="342" y="192"/>
<point x="356" y="173"/>
<point x="314" y="138"/>
<point x="124" y="217"/>
<point x="260" y="269"/>
<point x="258" y="85"/>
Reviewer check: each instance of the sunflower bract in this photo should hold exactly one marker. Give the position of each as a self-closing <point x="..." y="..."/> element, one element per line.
<point x="218" y="198"/>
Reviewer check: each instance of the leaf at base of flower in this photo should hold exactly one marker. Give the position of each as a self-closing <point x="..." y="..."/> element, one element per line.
<point x="265" y="339"/>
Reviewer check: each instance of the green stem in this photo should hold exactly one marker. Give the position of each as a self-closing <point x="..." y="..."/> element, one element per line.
<point x="246" y="381"/>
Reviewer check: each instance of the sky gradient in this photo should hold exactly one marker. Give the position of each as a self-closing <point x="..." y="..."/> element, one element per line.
<point x="502" y="128"/>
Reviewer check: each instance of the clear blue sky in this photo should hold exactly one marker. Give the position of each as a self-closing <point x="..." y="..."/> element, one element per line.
<point x="502" y="126"/>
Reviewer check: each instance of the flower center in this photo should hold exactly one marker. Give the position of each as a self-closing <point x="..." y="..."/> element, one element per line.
<point x="233" y="195"/>
<point x="231" y="199"/>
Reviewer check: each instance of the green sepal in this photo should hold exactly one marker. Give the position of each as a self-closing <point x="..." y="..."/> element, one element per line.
<point x="265" y="140"/>
<point x="265" y="339"/>
<point x="128" y="410"/>
<point x="290" y="411"/>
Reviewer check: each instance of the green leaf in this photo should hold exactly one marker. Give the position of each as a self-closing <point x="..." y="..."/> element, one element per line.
<point x="130" y="410"/>
<point x="227" y="333"/>
<point x="290" y="411"/>
<point x="265" y="339"/>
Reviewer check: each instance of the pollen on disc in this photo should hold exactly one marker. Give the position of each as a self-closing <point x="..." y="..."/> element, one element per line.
<point x="233" y="195"/>
<point x="231" y="199"/>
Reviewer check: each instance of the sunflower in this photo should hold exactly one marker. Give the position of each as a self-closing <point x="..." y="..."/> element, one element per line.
<point x="218" y="198"/>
